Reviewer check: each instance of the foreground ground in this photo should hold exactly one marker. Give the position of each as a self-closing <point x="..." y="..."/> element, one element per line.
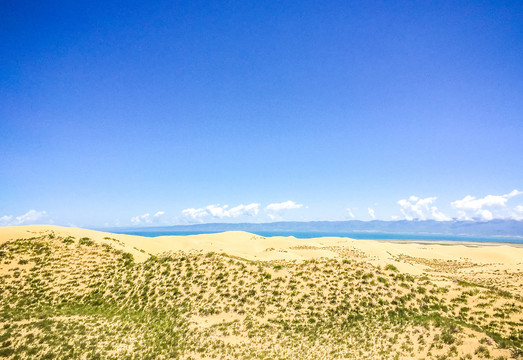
<point x="74" y="293"/>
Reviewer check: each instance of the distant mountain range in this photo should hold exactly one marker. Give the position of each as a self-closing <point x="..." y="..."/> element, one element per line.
<point x="496" y="227"/>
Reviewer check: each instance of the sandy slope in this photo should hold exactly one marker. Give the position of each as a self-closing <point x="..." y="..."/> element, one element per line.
<point x="413" y="257"/>
<point x="486" y="279"/>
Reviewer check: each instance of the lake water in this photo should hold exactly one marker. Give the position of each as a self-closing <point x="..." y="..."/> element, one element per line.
<point x="353" y="235"/>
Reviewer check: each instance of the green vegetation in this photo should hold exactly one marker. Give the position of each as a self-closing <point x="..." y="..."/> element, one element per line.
<point x="86" y="241"/>
<point x="391" y="268"/>
<point x="95" y="302"/>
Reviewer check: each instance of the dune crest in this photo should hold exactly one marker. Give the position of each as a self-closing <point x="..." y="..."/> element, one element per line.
<point x="412" y="257"/>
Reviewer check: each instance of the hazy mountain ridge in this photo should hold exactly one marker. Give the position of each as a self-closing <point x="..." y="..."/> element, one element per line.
<point x="498" y="227"/>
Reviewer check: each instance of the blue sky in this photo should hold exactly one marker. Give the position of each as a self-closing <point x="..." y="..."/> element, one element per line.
<point x="242" y="111"/>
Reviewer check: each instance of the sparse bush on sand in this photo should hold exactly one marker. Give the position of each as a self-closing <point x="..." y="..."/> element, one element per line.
<point x="92" y="301"/>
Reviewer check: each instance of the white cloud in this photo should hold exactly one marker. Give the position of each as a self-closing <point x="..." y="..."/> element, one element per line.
<point x="6" y="220"/>
<point x="421" y="209"/>
<point x="139" y="219"/>
<point x="286" y="205"/>
<point x="487" y="208"/>
<point x="194" y="213"/>
<point x="351" y="214"/>
<point x="147" y="218"/>
<point x="372" y="213"/>
<point x="30" y="217"/>
<point x="220" y="212"/>
<point x="274" y="211"/>
<point x="518" y="213"/>
<point x="250" y="210"/>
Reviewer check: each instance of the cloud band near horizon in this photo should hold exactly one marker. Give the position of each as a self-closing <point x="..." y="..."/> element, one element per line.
<point x="469" y="208"/>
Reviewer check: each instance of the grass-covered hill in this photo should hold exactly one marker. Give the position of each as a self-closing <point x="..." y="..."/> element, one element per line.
<point x="72" y="297"/>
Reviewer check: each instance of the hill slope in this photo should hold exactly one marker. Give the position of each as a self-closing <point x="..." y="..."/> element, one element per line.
<point x="74" y="293"/>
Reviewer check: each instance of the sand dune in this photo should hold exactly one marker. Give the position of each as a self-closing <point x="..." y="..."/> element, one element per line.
<point x="237" y="295"/>
<point x="412" y="257"/>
